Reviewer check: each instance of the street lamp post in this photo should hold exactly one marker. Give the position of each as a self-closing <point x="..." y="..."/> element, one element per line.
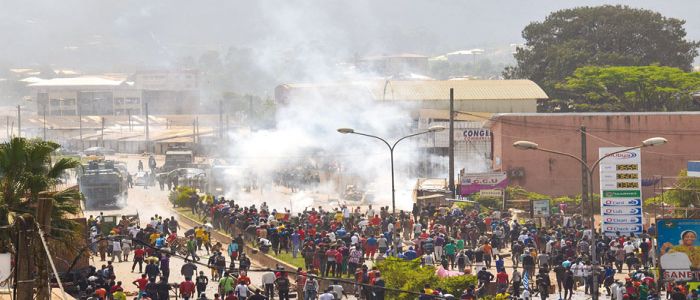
<point x="527" y="145"/>
<point x="391" y="153"/>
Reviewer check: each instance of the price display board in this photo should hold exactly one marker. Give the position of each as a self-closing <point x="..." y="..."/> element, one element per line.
<point x="620" y="190"/>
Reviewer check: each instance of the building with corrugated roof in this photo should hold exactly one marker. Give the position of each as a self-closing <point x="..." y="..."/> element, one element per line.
<point x="165" y="92"/>
<point x="495" y="96"/>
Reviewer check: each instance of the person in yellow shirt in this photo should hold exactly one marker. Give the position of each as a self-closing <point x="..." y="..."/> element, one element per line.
<point x="206" y="240"/>
<point x="119" y="295"/>
<point x="502" y="296"/>
<point x="199" y="234"/>
<point x="339" y="216"/>
<point x="152" y="238"/>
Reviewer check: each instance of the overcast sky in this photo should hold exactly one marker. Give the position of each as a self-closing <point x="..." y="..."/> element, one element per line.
<point x="135" y="33"/>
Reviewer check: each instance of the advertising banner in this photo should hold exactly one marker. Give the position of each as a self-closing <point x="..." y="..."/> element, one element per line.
<point x="620" y="190"/>
<point x="473" y="183"/>
<point x="694" y="169"/>
<point x="679" y="249"/>
<point x="540" y="208"/>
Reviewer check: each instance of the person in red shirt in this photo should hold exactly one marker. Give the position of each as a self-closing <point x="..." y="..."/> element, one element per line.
<point x="115" y="287"/>
<point x="187" y="288"/>
<point x="243" y="278"/>
<point x="101" y="293"/>
<point x="139" y="254"/>
<point x="502" y="281"/>
<point x="141" y="283"/>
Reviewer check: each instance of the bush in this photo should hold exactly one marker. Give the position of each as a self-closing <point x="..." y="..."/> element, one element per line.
<point x="410" y="276"/>
<point x="455" y="285"/>
<point x="181" y="195"/>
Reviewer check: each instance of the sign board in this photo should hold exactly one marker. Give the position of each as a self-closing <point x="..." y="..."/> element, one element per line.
<point x="475" y="182"/>
<point x="491" y="193"/>
<point x="679" y="248"/>
<point x="5" y="266"/>
<point x="694" y="169"/>
<point x="477" y="135"/>
<point x="540" y="208"/>
<point x="621" y="191"/>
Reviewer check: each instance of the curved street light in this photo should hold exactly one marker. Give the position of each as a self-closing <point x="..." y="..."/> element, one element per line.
<point x="391" y="147"/>
<point x="650" y="142"/>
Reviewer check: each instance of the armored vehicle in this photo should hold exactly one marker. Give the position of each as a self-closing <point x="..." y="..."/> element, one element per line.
<point x="175" y="158"/>
<point x="103" y="184"/>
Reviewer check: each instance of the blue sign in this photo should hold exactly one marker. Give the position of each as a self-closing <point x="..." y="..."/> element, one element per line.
<point x="622" y="211"/>
<point x="622" y="220"/>
<point x="694" y="168"/>
<point x="622" y="202"/>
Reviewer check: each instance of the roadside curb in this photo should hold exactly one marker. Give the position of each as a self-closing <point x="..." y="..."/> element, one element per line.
<point x="252" y="252"/>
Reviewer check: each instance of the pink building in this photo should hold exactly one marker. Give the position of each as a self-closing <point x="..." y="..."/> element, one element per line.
<point x="559" y="175"/>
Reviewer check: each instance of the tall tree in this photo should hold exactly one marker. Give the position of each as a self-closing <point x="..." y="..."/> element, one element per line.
<point x="26" y="170"/>
<point x="599" y="36"/>
<point x="649" y="88"/>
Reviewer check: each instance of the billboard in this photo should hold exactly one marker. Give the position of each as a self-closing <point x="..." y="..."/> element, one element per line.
<point x="621" y="191"/>
<point x="694" y="168"/>
<point x="475" y="182"/>
<point x="540" y="208"/>
<point x="679" y="249"/>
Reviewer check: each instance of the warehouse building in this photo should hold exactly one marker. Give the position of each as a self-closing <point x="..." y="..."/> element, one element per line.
<point x="558" y="175"/>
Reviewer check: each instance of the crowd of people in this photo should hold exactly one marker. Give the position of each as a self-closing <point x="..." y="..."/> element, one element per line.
<point x="151" y="249"/>
<point x="510" y="259"/>
<point x="554" y="256"/>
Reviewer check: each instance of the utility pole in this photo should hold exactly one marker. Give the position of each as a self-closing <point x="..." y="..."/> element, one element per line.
<point x="129" y="112"/>
<point x="221" y="118"/>
<point x="451" y="149"/>
<point x="102" y="133"/>
<point x="584" y="172"/>
<point x="44" y="122"/>
<point x="148" y="137"/>
<point x="194" y="132"/>
<point x="43" y="220"/>
<point x="80" y="124"/>
<point x="19" y="122"/>
<point x="24" y="269"/>
<point x="7" y="127"/>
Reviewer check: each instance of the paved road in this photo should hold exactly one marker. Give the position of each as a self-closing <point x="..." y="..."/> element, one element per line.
<point x="149" y="202"/>
<point x="152" y="201"/>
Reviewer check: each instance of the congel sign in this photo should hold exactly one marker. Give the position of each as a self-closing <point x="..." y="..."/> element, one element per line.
<point x="477" y="134"/>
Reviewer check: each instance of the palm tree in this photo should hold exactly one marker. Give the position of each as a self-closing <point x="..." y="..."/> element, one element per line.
<point x="26" y="170"/>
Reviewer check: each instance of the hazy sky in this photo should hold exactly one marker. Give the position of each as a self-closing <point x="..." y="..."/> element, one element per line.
<point x="136" y="33"/>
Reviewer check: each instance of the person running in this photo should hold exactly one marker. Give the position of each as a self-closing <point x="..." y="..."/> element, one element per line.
<point x="202" y="282"/>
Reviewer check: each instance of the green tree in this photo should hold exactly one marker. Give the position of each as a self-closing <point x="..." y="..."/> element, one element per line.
<point x="600" y="36"/>
<point x="26" y="171"/>
<point x="648" y="88"/>
<point x="685" y="193"/>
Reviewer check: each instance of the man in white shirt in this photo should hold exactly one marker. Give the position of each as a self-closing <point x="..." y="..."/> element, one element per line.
<point x="629" y="248"/>
<point x="577" y="269"/>
<point x="337" y="289"/>
<point x="370" y="212"/>
<point x="354" y="239"/>
<point x="328" y="295"/>
<point x="242" y="291"/>
<point x="268" y="283"/>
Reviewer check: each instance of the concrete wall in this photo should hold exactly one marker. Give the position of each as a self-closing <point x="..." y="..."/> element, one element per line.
<point x="559" y="175"/>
